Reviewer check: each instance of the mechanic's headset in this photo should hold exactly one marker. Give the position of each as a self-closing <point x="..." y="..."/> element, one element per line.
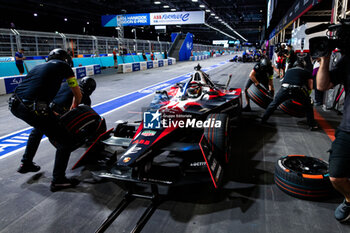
<point x="87" y="85"/>
<point x="60" y="54"/>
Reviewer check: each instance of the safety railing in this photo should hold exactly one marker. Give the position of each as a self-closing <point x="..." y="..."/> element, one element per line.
<point x="41" y="43"/>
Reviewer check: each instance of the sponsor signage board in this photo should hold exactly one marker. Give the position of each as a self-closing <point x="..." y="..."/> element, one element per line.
<point x="220" y="42"/>
<point x="157" y="18"/>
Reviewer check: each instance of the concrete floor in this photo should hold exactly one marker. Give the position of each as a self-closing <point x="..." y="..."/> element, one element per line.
<point x="248" y="202"/>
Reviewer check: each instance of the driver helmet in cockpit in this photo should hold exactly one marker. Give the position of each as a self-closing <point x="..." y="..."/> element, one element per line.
<point x="194" y="90"/>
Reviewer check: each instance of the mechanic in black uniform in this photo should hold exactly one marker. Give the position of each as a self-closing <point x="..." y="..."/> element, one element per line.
<point x="339" y="159"/>
<point x="30" y="102"/>
<point x="60" y="105"/>
<point x="261" y="73"/>
<point x="296" y="85"/>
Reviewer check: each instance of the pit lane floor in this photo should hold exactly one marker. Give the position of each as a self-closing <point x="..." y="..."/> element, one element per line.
<point x="248" y="202"/>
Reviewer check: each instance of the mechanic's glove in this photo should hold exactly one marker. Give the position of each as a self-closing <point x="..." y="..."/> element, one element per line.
<point x="271" y="93"/>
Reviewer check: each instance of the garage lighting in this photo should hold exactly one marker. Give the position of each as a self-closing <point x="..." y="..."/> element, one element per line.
<point x="207" y="10"/>
<point x="201" y="6"/>
<point x="65" y="19"/>
<point x="166" y="6"/>
<point x="212" y="14"/>
<point x="216" y="17"/>
<point x="194" y="0"/>
<point x="173" y="9"/>
<point x="157" y="2"/>
<point x="87" y="22"/>
<point x="35" y="14"/>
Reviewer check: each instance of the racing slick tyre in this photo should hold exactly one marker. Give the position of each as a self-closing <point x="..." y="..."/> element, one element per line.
<point x="303" y="177"/>
<point x="259" y="95"/>
<point x="219" y="137"/>
<point x="293" y="108"/>
<point x="82" y="123"/>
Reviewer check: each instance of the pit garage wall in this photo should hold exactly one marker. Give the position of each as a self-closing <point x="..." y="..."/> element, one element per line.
<point x="299" y="8"/>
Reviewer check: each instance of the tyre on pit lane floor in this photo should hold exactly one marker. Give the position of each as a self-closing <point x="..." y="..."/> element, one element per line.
<point x="303" y="177"/>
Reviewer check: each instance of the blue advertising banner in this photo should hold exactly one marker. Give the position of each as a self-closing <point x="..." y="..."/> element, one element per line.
<point x="109" y="20"/>
<point x="160" y="63"/>
<point x="12" y="82"/>
<point x="81" y="72"/>
<point x="97" y="69"/>
<point x="135" y="20"/>
<point x="149" y="64"/>
<point x="186" y="49"/>
<point x="136" y="66"/>
<point x="158" y="18"/>
<point x="170" y="62"/>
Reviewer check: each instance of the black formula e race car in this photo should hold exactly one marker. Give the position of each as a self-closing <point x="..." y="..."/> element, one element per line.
<point x="184" y="130"/>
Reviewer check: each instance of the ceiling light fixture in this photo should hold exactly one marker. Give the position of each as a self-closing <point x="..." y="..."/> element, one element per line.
<point x="166" y="6"/>
<point x="173" y="9"/>
<point x="207" y="10"/>
<point x="35" y="14"/>
<point x="216" y="17"/>
<point x="202" y="6"/>
<point x="65" y="19"/>
<point x="194" y="0"/>
<point x="212" y="14"/>
<point x="157" y="2"/>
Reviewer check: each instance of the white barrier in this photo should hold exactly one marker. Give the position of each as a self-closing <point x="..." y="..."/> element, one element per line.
<point x="200" y="57"/>
<point x="136" y="66"/>
<point x="9" y="83"/>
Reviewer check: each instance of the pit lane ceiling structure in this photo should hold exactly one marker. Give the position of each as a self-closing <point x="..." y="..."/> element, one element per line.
<point x="247" y="17"/>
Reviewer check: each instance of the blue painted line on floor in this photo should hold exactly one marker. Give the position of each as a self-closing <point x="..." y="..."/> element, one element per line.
<point x="11" y="143"/>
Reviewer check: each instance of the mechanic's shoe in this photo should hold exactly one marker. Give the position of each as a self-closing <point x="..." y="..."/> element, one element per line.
<point x="246" y="109"/>
<point x="63" y="184"/>
<point x="342" y="212"/>
<point x="28" y="167"/>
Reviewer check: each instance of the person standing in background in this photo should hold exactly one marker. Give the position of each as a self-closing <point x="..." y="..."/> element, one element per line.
<point x="19" y="57"/>
<point x="115" y="58"/>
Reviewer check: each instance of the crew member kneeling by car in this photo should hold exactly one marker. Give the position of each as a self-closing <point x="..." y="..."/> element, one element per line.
<point x="60" y="105"/>
<point x="30" y="102"/>
<point x="296" y="85"/>
<point x="261" y="73"/>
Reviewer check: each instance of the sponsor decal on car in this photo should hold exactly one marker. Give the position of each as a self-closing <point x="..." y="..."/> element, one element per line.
<point x="144" y="142"/>
<point x="132" y="150"/>
<point x="148" y="133"/>
<point x="126" y="159"/>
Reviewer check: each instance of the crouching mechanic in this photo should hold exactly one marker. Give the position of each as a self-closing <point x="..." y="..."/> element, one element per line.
<point x="60" y="105"/>
<point x="262" y="73"/>
<point x="296" y="85"/>
<point x="30" y="102"/>
<point x="339" y="159"/>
